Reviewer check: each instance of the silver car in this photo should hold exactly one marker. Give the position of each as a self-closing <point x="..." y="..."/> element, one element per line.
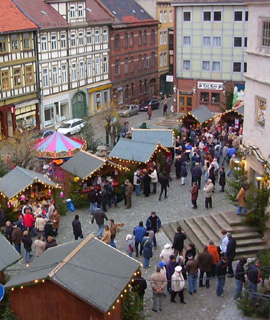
<point x="129" y="110"/>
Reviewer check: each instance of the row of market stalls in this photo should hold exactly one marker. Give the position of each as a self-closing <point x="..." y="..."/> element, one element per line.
<point x="204" y="117"/>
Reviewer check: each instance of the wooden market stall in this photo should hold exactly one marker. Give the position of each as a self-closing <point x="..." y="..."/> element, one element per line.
<point x="90" y="169"/>
<point x="232" y="116"/>
<point x="129" y="153"/>
<point x="20" y="185"/>
<point x="200" y="116"/>
<point x="163" y="136"/>
<point x="80" y="280"/>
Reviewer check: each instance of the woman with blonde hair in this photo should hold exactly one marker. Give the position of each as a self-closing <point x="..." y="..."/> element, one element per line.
<point x="107" y="235"/>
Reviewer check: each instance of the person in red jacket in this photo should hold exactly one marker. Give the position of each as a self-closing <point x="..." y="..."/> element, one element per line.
<point x="28" y="221"/>
<point x="214" y="252"/>
<point x="194" y="195"/>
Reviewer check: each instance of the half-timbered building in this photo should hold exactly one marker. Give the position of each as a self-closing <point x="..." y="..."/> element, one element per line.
<point x="73" y="54"/>
<point x="19" y="104"/>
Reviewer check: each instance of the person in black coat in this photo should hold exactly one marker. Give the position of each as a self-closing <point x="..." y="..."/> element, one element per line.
<point x="191" y="251"/>
<point x="197" y="174"/>
<point x="239" y="277"/>
<point x="211" y="174"/>
<point x="8" y="231"/>
<point x="178" y="164"/>
<point x="164" y="182"/>
<point x="230" y="254"/>
<point x="2" y="219"/>
<point x="178" y="242"/>
<point x="77" y="229"/>
<point x="146" y="184"/>
<point x="48" y="230"/>
<point x="139" y="285"/>
<point x="27" y="243"/>
<point x="222" y="179"/>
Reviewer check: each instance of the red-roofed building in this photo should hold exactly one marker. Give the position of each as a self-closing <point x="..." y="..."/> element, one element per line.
<point x="19" y="104"/>
<point x="133" y="52"/>
<point x="73" y="54"/>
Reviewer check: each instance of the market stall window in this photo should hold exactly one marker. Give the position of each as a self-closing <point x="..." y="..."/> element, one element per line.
<point x="215" y="98"/>
<point x="204" y="97"/>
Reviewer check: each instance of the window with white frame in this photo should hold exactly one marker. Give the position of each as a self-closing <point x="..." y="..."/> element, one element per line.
<point x="97" y="66"/>
<point x="81" y="69"/>
<point x="44" y="44"/>
<point x="80" y="10"/>
<point x="161" y="60"/>
<point x="64" y="73"/>
<point x="187" y="16"/>
<point x="237" y="42"/>
<point x="73" y="72"/>
<point x="206" y="65"/>
<point x="161" y="37"/>
<point x="54" y="42"/>
<point x="89" y="37"/>
<point x="81" y="38"/>
<point x="186" y="64"/>
<point x="54" y="76"/>
<point x="186" y="41"/>
<point x="217" y="41"/>
<point x="117" y="67"/>
<point x="72" y="11"/>
<point x="105" y="64"/>
<point x="45" y="78"/>
<point x="15" y="42"/>
<point x="206" y="41"/>
<point x="217" y="15"/>
<point x="216" y="66"/>
<point x="89" y="68"/>
<point x="266" y="34"/>
<point x="207" y="15"/>
<point x="105" y="35"/>
<point x="237" y="67"/>
<point x="165" y="59"/>
<point x="97" y="38"/>
<point x="164" y="16"/>
<point x="27" y="41"/>
<point x="17" y="77"/>
<point x="73" y="40"/>
<point x="63" y="41"/>
<point x="165" y="37"/>
<point x="238" y="15"/>
<point x="161" y="16"/>
<point x="171" y="16"/>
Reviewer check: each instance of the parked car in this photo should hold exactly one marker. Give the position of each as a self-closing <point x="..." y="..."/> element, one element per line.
<point x="42" y="134"/>
<point x="129" y="110"/>
<point x="154" y="103"/>
<point x="71" y="127"/>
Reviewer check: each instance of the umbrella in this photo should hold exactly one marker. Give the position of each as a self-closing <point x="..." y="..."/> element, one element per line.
<point x="58" y="146"/>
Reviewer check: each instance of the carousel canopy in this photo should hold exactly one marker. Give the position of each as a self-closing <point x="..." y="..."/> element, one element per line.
<point x="8" y="254"/>
<point x="162" y="136"/>
<point x="19" y="179"/>
<point x="58" y="145"/>
<point x="201" y="114"/>
<point x="84" y="164"/>
<point x="131" y="150"/>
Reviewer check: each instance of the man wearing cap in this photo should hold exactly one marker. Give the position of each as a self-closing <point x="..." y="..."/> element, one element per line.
<point x="158" y="283"/>
<point x="192" y="269"/>
<point x="99" y="216"/>
<point x="128" y="192"/>
<point x="166" y="253"/>
<point x="178" y="284"/>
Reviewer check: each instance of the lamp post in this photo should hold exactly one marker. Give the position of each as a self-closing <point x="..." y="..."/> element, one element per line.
<point x="175" y="90"/>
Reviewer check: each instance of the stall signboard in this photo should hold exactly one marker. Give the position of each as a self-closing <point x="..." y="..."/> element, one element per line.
<point x="210" y="85"/>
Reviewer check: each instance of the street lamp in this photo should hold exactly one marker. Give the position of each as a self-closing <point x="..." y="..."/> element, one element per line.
<point x="175" y="90"/>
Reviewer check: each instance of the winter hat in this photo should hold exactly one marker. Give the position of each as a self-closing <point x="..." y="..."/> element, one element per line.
<point x="161" y="264"/>
<point x="178" y="268"/>
<point x="129" y="237"/>
<point x="167" y="246"/>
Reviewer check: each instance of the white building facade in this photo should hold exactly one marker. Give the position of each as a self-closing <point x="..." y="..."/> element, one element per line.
<point x="257" y="96"/>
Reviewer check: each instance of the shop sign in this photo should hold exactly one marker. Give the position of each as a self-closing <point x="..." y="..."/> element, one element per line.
<point x="169" y="78"/>
<point x="186" y="93"/>
<point x="210" y="85"/>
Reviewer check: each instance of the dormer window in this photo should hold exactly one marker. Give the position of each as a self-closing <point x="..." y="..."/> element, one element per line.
<point x="80" y="10"/>
<point x="72" y="11"/>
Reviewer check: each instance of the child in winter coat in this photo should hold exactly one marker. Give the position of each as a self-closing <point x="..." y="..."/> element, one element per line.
<point x="130" y="248"/>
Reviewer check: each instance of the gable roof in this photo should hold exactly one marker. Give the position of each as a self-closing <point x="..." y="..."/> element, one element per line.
<point x="162" y="136"/>
<point x="12" y="18"/>
<point x="19" y="179"/>
<point x="127" y="149"/>
<point x="127" y="12"/>
<point x="201" y="114"/>
<point x="98" y="13"/>
<point x="8" y="254"/>
<point x="42" y="13"/>
<point x="90" y="269"/>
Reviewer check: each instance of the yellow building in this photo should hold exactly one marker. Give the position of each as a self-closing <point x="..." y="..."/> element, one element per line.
<point x="165" y="46"/>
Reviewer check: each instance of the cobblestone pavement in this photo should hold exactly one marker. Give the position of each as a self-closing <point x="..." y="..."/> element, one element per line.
<point x="202" y="305"/>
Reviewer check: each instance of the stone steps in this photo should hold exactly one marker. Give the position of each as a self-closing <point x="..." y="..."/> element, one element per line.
<point x="199" y="230"/>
